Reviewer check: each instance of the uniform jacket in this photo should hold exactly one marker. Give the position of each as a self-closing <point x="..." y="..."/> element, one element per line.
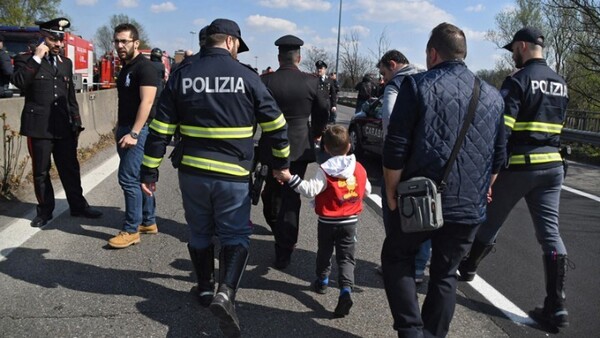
<point x="328" y="90"/>
<point x="216" y="102"/>
<point x="536" y="101"/>
<point x="6" y="68"/>
<point x="339" y="185"/>
<point x="296" y="95"/>
<point x="50" y="102"/>
<point x="424" y="129"/>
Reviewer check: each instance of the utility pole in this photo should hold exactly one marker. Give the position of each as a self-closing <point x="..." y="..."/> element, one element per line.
<point x="337" y="53"/>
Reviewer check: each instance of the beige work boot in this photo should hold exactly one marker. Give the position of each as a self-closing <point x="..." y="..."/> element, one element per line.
<point x="148" y="229"/>
<point x="124" y="239"/>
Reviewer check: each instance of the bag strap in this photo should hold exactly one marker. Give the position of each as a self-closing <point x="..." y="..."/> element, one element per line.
<point x="463" y="133"/>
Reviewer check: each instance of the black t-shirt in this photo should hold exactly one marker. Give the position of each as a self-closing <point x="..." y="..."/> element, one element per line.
<point x="137" y="73"/>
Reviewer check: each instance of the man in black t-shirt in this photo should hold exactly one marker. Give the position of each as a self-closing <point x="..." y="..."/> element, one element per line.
<point x="136" y="85"/>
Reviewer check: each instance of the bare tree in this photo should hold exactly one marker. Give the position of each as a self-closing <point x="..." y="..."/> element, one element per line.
<point x="355" y="66"/>
<point x="104" y="34"/>
<point x="383" y="45"/>
<point x="313" y="54"/>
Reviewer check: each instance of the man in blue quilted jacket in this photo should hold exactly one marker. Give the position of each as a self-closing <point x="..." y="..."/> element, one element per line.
<point x="421" y="134"/>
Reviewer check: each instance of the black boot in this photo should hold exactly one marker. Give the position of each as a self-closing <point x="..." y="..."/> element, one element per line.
<point x="553" y="313"/>
<point x="468" y="267"/>
<point x="232" y="263"/>
<point x="204" y="266"/>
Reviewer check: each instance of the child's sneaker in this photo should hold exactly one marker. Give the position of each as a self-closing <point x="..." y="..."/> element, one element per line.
<point x="344" y="303"/>
<point x="321" y="286"/>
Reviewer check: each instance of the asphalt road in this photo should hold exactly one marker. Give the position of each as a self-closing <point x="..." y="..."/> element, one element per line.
<point x="63" y="281"/>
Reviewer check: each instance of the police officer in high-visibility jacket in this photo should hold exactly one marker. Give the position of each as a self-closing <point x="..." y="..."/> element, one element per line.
<point x="535" y="100"/>
<point x="216" y="102"/>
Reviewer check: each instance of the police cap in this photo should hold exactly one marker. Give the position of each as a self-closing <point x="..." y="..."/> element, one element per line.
<point x="202" y="36"/>
<point x="54" y="28"/>
<point x="527" y="34"/>
<point x="228" y="27"/>
<point x="320" y="64"/>
<point x="288" y="42"/>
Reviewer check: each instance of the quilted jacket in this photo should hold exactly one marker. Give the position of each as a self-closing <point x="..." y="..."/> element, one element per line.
<point x="424" y="125"/>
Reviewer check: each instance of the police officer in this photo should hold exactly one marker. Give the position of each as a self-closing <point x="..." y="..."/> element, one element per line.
<point x="297" y="95"/>
<point x="6" y="71"/>
<point x="51" y="121"/>
<point x="328" y="88"/>
<point x="216" y="101"/>
<point x="535" y="102"/>
<point x="156" y="55"/>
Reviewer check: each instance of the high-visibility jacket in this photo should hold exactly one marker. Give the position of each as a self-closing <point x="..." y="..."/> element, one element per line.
<point x="216" y="102"/>
<point x="535" y="103"/>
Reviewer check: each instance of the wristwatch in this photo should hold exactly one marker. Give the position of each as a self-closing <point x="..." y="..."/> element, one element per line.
<point x="134" y="135"/>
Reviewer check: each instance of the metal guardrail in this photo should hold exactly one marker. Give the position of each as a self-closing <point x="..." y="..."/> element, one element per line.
<point x="587" y="137"/>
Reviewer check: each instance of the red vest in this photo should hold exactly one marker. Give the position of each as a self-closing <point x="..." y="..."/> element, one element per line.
<point x="342" y="197"/>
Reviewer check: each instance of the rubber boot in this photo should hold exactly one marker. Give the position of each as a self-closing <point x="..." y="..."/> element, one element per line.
<point x="232" y="263"/>
<point x="203" y="261"/>
<point x="468" y="267"/>
<point x="553" y="314"/>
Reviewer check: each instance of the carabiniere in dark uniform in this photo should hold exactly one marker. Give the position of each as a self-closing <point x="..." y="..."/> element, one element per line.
<point x="297" y="95"/>
<point x="51" y="121"/>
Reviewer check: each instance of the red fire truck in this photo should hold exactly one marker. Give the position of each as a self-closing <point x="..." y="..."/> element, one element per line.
<point x="109" y="66"/>
<point x="80" y="51"/>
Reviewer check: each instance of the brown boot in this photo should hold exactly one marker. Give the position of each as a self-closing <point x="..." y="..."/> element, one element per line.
<point x="148" y="229"/>
<point x="124" y="239"/>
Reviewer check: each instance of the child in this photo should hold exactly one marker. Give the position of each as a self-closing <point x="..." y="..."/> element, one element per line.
<point x="338" y="187"/>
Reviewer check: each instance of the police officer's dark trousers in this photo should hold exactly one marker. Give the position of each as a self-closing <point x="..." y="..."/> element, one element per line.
<point x="64" y="151"/>
<point x="449" y="245"/>
<point x="282" y="209"/>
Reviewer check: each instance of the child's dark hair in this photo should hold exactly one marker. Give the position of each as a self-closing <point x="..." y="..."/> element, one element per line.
<point x="336" y="139"/>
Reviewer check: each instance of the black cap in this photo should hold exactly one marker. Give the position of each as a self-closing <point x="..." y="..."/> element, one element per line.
<point x="527" y="34"/>
<point x="288" y="42"/>
<point x="202" y="35"/>
<point x="55" y="27"/>
<point x="228" y="27"/>
<point x="320" y="64"/>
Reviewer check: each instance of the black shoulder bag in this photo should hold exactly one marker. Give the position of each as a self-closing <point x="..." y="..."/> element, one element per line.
<point x="420" y="198"/>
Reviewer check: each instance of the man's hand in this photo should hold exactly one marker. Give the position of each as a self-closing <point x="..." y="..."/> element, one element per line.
<point x="282" y="175"/>
<point x="127" y="141"/>
<point x="489" y="195"/>
<point x="41" y="50"/>
<point x="333" y="109"/>
<point x="149" y="188"/>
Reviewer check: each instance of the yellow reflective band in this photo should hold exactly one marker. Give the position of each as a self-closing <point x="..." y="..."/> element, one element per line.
<point x="151" y="162"/>
<point x="535" y="158"/>
<point x="217" y="133"/>
<point x="551" y="128"/>
<point x="509" y="121"/>
<point x="281" y="153"/>
<point x="216" y="166"/>
<point x="163" y="128"/>
<point x="273" y="125"/>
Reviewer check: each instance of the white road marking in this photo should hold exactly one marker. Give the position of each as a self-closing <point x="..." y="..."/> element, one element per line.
<point x="19" y="230"/>
<point x="581" y="193"/>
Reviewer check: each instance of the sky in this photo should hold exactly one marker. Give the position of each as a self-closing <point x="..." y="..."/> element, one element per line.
<point x="174" y="25"/>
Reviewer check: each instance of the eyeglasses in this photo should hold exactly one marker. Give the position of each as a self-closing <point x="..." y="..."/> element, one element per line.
<point x="121" y="42"/>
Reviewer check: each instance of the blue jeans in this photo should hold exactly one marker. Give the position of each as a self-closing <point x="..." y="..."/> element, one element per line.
<point x="139" y="208"/>
<point x="215" y="206"/>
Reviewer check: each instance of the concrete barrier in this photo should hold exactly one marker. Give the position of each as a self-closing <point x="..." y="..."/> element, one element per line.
<point x="98" y="111"/>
